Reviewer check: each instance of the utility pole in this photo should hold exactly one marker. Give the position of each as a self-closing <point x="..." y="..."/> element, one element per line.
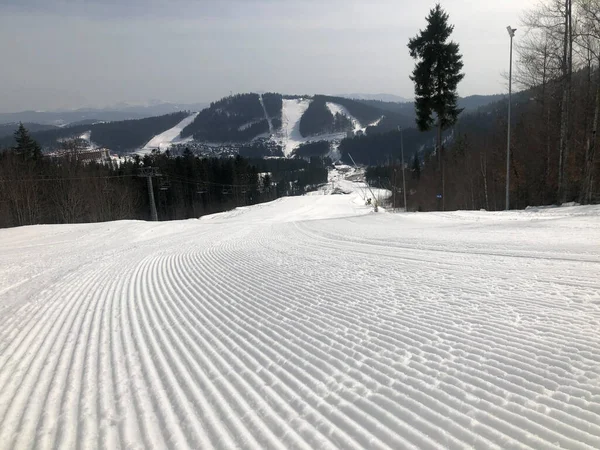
<point x="403" y="169"/>
<point x="148" y="173"/>
<point x="511" y="33"/>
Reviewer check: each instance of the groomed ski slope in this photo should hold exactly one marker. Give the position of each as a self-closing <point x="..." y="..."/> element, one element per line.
<point x="290" y="138"/>
<point x="164" y="140"/>
<point x="334" y="108"/>
<point x="291" y="114"/>
<point x="308" y="322"/>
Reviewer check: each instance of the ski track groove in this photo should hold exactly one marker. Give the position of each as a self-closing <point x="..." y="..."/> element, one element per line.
<point x="244" y="313"/>
<point x="162" y="351"/>
<point x="278" y="357"/>
<point x="514" y="362"/>
<point x="36" y="374"/>
<point x="428" y="430"/>
<point x="175" y="283"/>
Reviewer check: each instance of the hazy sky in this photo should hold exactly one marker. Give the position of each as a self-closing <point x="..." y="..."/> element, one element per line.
<point x="74" y="53"/>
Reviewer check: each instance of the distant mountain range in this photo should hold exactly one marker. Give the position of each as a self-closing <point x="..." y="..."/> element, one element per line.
<point x="92" y="115"/>
<point x="379" y="97"/>
<point x="267" y="124"/>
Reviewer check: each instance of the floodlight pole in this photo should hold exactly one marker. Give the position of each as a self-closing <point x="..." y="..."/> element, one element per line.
<point x="511" y="33"/>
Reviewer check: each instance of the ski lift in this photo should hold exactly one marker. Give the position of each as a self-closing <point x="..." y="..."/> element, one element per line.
<point x="227" y="191"/>
<point x="200" y="189"/>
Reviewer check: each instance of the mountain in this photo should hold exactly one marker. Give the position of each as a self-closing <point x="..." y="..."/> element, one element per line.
<point x="469" y="104"/>
<point x="8" y="129"/>
<point x="474" y="102"/>
<point x="122" y="136"/>
<point x="287" y="121"/>
<point x="115" y="113"/>
<point x="379" y="97"/>
<point x="260" y="125"/>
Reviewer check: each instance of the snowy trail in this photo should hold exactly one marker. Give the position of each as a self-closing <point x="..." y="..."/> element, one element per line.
<point x="164" y="140"/>
<point x="291" y="113"/>
<point x="271" y="128"/>
<point x="260" y="328"/>
<point x="334" y="108"/>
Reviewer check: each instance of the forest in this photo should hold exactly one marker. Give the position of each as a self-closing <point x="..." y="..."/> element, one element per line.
<point x="310" y="149"/>
<point x="39" y="189"/>
<point x="374" y="148"/>
<point x="554" y="140"/>
<point x="274" y="106"/>
<point x="238" y="118"/>
<point x="318" y="119"/>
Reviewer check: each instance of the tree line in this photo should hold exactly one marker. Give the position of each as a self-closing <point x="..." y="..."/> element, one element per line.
<point x="238" y="118"/>
<point x="554" y="156"/>
<point x="38" y="189"/>
<point x="318" y="119"/>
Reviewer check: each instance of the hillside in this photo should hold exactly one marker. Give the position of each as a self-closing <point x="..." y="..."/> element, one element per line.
<point x="8" y="129"/>
<point x="308" y="322"/>
<point x="120" y="137"/>
<point x="267" y="124"/>
<point x="294" y="121"/>
<point x="115" y="113"/>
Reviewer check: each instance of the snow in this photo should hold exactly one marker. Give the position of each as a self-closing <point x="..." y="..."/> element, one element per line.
<point x="290" y="137"/>
<point x="348" y="180"/>
<point x="334" y="108"/>
<point x="291" y="113"/>
<point x="307" y="322"/>
<point x="166" y="139"/>
<point x="249" y="124"/>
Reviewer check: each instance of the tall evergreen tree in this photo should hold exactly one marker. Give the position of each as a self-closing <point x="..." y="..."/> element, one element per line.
<point x="436" y="76"/>
<point x="27" y="147"/>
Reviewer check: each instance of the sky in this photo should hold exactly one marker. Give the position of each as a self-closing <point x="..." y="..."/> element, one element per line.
<point x="93" y="53"/>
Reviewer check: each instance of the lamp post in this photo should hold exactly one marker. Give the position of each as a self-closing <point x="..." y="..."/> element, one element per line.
<point x="511" y="33"/>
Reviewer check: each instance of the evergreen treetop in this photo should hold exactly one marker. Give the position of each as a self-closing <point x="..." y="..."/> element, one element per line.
<point x="437" y="72"/>
<point x="27" y="147"/>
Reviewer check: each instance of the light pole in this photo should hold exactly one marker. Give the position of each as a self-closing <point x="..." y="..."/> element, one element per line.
<point x="511" y="33"/>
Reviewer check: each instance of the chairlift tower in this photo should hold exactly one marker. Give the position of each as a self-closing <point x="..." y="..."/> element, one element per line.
<point x="149" y="173"/>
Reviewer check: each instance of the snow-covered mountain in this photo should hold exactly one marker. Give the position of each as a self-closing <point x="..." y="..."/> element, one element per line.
<point x="288" y="122"/>
<point x="257" y="125"/>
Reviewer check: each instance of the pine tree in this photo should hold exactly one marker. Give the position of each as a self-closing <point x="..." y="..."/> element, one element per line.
<point x="436" y="76"/>
<point x="27" y="147"/>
